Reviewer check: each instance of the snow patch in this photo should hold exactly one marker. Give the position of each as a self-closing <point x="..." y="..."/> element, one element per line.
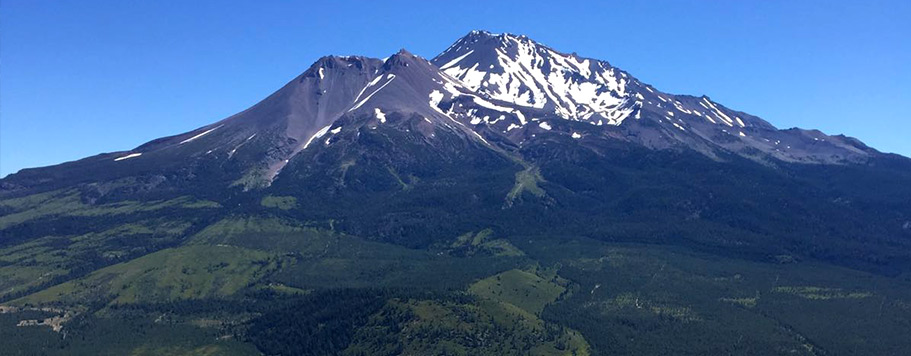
<point x="200" y="135"/>
<point x="317" y="135"/>
<point x="456" y="60"/>
<point x="436" y="97"/>
<point x="390" y="78"/>
<point x="131" y="155"/>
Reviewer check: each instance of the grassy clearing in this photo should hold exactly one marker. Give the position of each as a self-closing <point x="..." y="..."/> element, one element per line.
<point x="51" y="259"/>
<point x="433" y="327"/>
<point x="484" y="242"/>
<point x="179" y="273"/>
<point x="629" y="302"/>
<point x="69" y="203"/>
<point x="251" y="180"/>
<point x="279" y="202"/>
<point x="744" y="302"/>
<point x="525" y="290"/>
<point x="821" y="293"/>
<point x="526" y="180"/>
<point x="278" y="235"/>
<point x="253" y="232"/>
<point x="18" y="278"/>
<point x="326" y="259"/>
<point x="46" y="204"/>
<point x="281" y="288"/>
<point x="32" y="201"/>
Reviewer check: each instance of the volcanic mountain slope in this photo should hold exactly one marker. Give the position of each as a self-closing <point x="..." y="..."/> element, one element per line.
<point x="259" y="141"/>
<point x="502" y="88"/>
<point x="503" y="180"/>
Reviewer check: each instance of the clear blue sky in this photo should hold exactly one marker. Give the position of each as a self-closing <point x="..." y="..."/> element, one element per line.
<point x="82" y="77"/>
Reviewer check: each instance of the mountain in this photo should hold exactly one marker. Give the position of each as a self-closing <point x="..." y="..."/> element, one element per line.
<point x="545" y="84"/>
<point x="500" y="198"/>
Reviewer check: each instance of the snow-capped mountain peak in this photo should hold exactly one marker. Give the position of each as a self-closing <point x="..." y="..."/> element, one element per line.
<point x="519" y="71"/>
<point x="516" y="81"/>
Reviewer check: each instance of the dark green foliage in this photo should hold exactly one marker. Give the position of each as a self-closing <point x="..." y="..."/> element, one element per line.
<point x="735" y="207"/>
<point x="638" y="299"/>
<point x="319" y="324"/>
<point x="391" y="186"/>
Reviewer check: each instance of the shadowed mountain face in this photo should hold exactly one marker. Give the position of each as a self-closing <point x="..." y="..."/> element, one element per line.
<point x="499" y="167"/>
